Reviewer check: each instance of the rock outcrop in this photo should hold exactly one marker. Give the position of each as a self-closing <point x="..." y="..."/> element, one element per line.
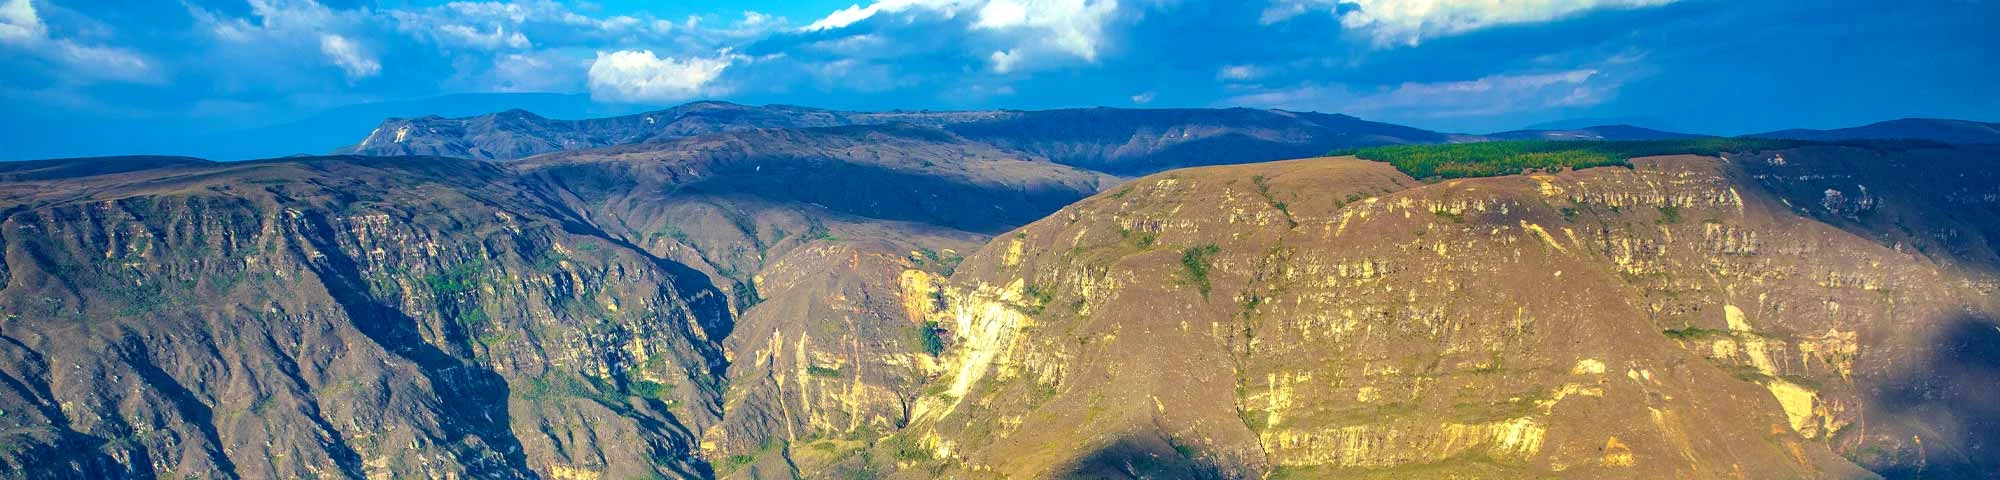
<point x="340" y="317"/>
<point x="1687" y="317"/>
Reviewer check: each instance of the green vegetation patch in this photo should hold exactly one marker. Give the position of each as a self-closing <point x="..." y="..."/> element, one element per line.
<point x="1139" y="240"/>
<point x="459" y="278"/>
<point x="819" y="371"/>
<point x="650" y="389"/>
<point x="1264" y="190"/>
<point x="929" y="339"/>
<point x="905" y="450"/>
<point x="1694" y="333"/>
<point x="1669" y="215"/>
<point x="1488" y="159"/>
<point x="1196" y="260"/>
<point x="941" y="262"/>
<point x="1036" y="299"/>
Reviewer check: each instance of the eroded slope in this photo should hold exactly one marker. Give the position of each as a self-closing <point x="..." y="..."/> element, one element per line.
<point x="339" y="317"/>
<point x="1333" y="317"/>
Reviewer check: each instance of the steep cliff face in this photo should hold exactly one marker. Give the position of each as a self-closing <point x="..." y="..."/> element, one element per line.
<point x="339" y="317"/>
<point x="1335" y="318"/>
<point x="833" y="361"/>
<point x="570" y="316"/>
<point x="822" y="237"/>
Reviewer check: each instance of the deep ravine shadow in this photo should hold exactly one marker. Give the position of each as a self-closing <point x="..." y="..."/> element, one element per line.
<point x="70" y="453"/>
<point x="1956" y="394"/>
<point x="1141" y="457"/>
<point x="475" y="398"/>
<point x="197" y="414"/>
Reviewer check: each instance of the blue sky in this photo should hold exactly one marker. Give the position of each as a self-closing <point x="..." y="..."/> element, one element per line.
<point x="72" y="70"/>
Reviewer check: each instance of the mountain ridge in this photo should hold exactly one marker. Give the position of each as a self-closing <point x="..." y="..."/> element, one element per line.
<point x="1598" y="132"/>
<point x="900" y="300"/>
<point x="1119" y="141"/>
<point x="1934" y="129"/>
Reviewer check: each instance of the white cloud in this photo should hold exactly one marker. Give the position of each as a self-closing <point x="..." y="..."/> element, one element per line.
<point x="345" y="54"/>
<point x="1002" y="14"/>
<point x="855" y="13"/>
<point x="641" y="77"/>
<point x="515" y="12"/>
<point x="1239" y="72"/>
<point x="1143" y="98"/>
<point x="1483" y="97"/>
<point x="472" y="36"/>
<point x="1281" y="10"/>
<point x="1072" y="26"/>
<point x="755" y="19"/>
<point x="277" y="30"/>
<point x="1408" y="22"/>
<point x="21" y="27"/>
<point x="292" y="15"/>
<point x="1003" y="61"/>
<point x="19" y="22"/>
<point x="503" y="45"/>
<point x="106" y="63"/>
<point x="1032" y="28"/>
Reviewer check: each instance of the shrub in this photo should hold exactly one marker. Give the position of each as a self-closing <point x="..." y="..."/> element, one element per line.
<point x="1693" y="333"/>
<point x="928" y="336"/>
<point x="1196" y="262"/>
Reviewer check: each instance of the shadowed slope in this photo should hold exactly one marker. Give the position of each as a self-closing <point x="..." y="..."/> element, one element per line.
<point x="350" y="317"/>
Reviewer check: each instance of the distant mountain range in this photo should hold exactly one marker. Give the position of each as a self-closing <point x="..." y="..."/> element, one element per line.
<point x="1933" y="129"/>
<point x="1118" y="141"/>
<point x="1605" y="132"/>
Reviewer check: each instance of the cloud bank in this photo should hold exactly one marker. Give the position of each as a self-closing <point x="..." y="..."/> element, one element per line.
<point x="1408" y="22"/>
<point x="641" y="77"/>
<point x="1467" y="65"/>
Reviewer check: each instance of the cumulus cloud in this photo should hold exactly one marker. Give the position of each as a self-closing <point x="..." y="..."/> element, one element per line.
<point x="1408" y="22"/>
<point x="639" y="76"/>
<point x="1030" y="29"/>
<point x="498" y="38"/>
<point x="1003" y="61"/>
<point x="21" y="27"/>
<point x="517" y="12"/>
<point x="1072" y="26"/>
<point x="345" y="54"/>
<point x="1143" y="98"/>
<point x="19" y="22"/>
<point x="276" y="29"/>
<point x="1483" y="97"/>
<point x="855" y="13"/>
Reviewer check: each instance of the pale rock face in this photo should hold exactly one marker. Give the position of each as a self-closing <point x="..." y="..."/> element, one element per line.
<point x="1368" y="335"/>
